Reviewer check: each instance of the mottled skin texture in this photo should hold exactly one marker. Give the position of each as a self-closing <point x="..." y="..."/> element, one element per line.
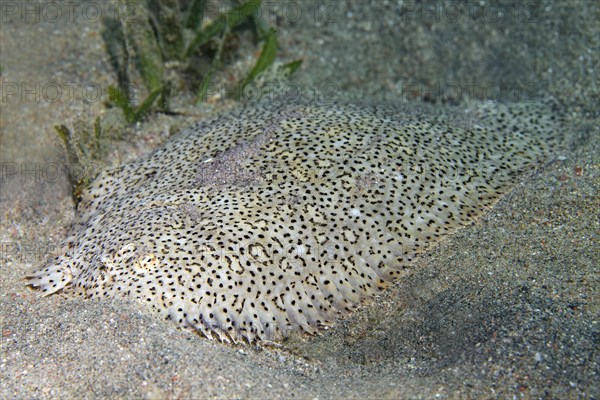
<point x="280" y="217"/>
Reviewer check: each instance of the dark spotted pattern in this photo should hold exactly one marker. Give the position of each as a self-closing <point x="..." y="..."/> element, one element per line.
<point x="276" y="218"/>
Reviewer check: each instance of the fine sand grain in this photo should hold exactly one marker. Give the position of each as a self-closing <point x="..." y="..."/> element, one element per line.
<point x="507" y="308"/>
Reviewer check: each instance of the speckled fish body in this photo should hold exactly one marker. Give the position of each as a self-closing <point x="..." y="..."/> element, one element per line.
<point x="284" y="217"/>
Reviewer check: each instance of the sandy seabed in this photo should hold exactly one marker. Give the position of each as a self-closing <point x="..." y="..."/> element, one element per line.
<point x="505" y="308"/>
